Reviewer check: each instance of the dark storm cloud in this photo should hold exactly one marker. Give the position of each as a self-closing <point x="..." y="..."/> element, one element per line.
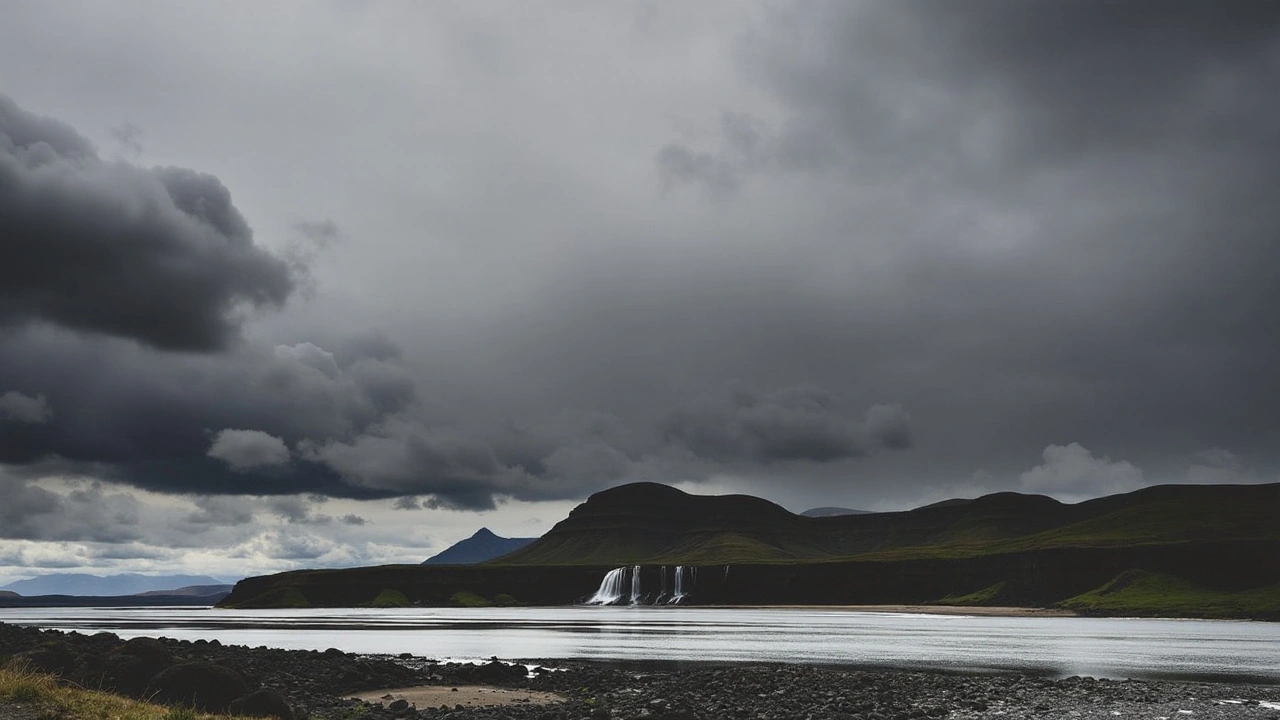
<point x="194" y="423"/>
<point x="792" y="424"/>
<point x="157" y="255"/>
<point x="1061" y="221"/>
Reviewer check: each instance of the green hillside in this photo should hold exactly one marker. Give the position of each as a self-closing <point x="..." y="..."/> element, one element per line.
<point x="646" y="523"/>
<point x="1181" y="550"/>
<point x="1138" y="592"/>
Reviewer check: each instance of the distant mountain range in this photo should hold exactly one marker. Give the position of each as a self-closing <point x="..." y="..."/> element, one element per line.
<point x="189" y="591"/>
<point x="480" y="547"/>
<point x="833" y="512"/>
<point x="110" y="585"/>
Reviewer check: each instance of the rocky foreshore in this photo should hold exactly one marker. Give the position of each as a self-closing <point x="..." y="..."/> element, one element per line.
<point x="296" y="685"/>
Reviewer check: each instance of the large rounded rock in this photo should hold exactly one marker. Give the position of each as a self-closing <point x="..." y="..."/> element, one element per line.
<point x="53" y="658"/>
<point x="145" y="648"/>
<point x="263" y="703"/>
<point x="128" y="669"/>
<point x="203" y="685"/>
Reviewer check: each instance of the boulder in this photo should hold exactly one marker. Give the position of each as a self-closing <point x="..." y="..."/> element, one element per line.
<point x="128" y="669"/>
<point x="54" y="658"/>
<point x="203" y="685"/>
<point x="145" y="648"/>
<point x="263" y="703"/>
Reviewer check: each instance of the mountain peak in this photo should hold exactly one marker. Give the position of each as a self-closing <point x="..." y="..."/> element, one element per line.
<point x="481" y="546"/>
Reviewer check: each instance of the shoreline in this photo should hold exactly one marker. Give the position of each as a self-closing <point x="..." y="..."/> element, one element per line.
<point x="318" y="685"/>
<point x="975" y="610"/>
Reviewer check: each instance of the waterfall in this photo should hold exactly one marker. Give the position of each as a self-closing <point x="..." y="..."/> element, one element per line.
<point x="610" y="588"/>
<point x="681" y="588"/>
<point x="622" y="584"/>
<point x="635" y="585"/>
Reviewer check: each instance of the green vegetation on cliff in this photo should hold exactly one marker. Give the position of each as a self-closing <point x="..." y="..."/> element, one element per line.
<point x="389" y="599"/>
<point x="1138" y="592"/>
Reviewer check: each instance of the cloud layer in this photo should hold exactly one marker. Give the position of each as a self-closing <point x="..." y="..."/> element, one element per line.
<point x="833" y="253"/>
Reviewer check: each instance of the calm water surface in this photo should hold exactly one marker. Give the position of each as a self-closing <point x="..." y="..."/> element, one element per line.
<point x="1110" y="647"/>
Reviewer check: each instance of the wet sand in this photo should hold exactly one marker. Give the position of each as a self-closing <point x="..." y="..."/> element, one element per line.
<point x="434" y="696"/>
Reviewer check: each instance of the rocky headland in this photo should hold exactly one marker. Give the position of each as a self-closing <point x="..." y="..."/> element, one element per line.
<point x="296" y="685"/>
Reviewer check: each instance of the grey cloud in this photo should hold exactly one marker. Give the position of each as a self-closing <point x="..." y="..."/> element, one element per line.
<point x="679" y="164"/>
<point x="888" y="426"/>
<point x="322" y="233"/>
<point x="742" y="148"/>
<point x="792" y="424"/>
<point x="24" y="408"/>
<point x="983" y="88"/>
<point x="154" y="420"/>
<point x="352" y="519"/>
<point x="156" y="255"/>
<point x="403" y="458"/>
<point x="1071" y="472"/>
<point x="220" y="511"/>
<point x="30" y="511"/>
<point x="245" y="450"/>
<point x="128" y="136"/>
<point x="406" y="503"/>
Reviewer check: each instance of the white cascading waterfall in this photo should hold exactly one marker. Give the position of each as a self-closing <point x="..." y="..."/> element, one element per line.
<point x="611" y="587"/>
<point x="635" y="585"/>
<point x="622" y="584"/>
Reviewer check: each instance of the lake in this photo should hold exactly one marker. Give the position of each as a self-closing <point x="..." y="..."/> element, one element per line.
<point x="1055" y="646"/>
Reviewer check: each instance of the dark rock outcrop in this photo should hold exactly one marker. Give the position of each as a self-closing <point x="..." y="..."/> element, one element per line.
<point x="265" y="702"/>
<point x="206" y="686"/>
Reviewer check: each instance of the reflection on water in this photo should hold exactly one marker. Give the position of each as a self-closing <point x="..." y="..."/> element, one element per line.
<point x="1111" y="647"/>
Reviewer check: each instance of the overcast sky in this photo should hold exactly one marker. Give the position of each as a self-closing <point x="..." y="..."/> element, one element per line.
<point x="300" y="284"/>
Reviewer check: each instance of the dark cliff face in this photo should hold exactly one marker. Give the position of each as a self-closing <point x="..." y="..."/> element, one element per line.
<point x="1038" y="578"/>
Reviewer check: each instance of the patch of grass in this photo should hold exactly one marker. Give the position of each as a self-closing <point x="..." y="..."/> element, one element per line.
<point x="389" y="599"/>
<point x="505" y="600"/>
<point x="1138" y="592"/>
<point x="51" y="700"/>
<point x="985" y="596"/>
<point x="19" y="685"/>
<point x="466" y="598"/>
